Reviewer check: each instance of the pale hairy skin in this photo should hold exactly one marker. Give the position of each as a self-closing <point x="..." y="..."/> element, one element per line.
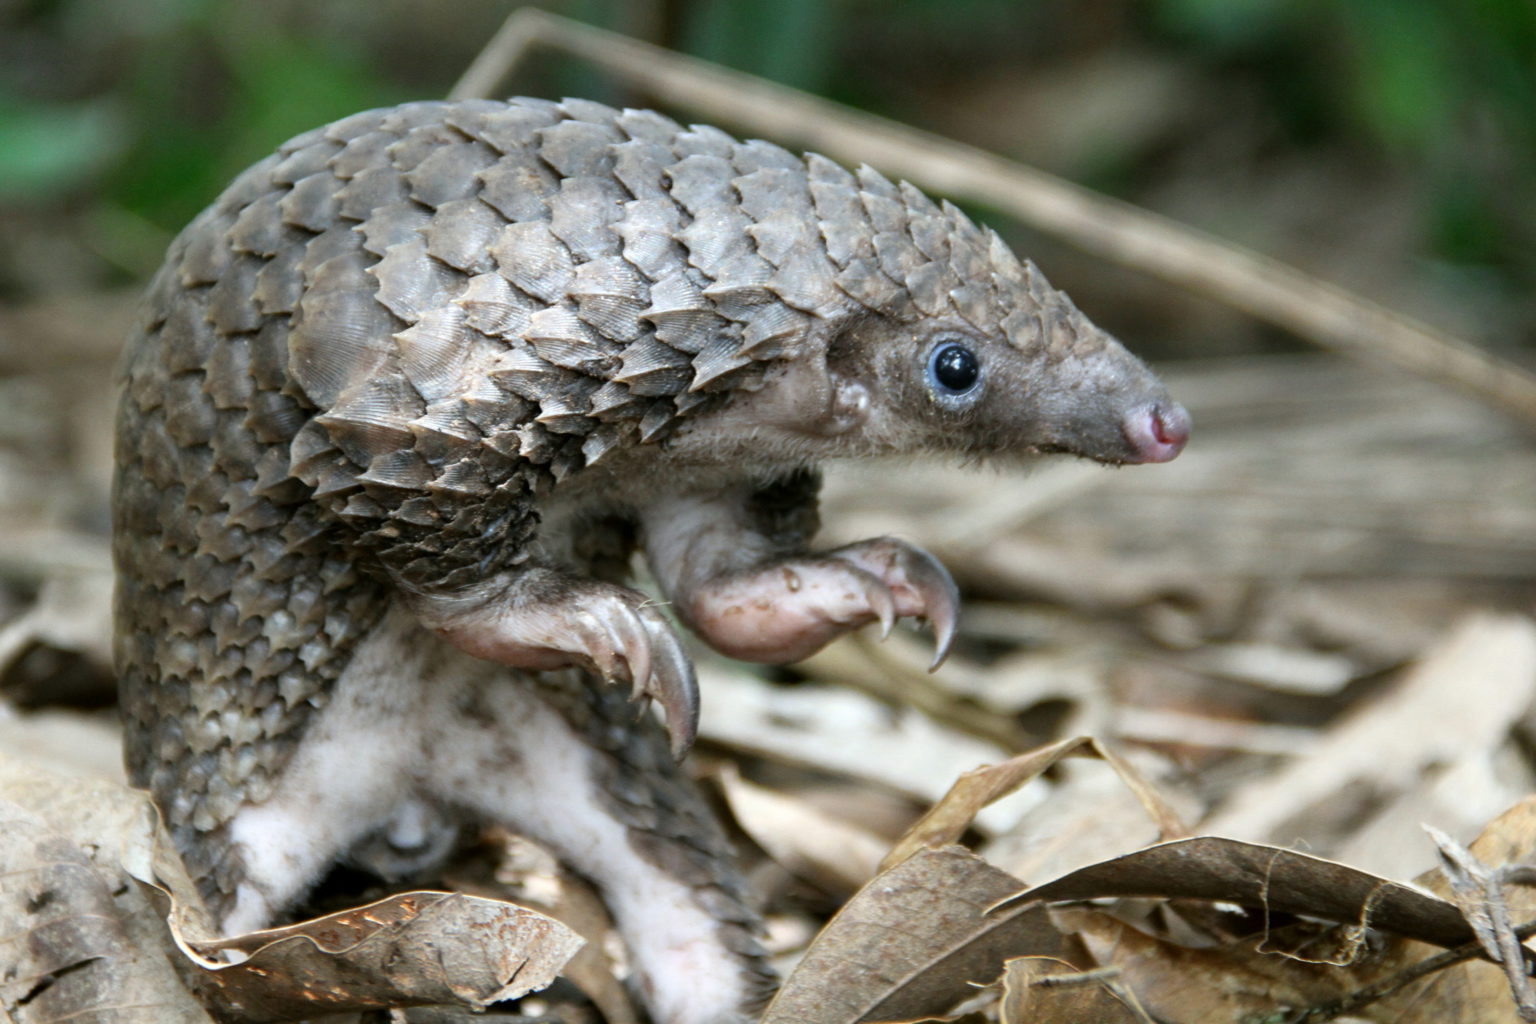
<point x="406" y="399"/>
<point x="479" y="747"/>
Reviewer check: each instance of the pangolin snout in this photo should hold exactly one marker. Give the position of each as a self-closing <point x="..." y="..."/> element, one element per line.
<point x="1157" y="433"/>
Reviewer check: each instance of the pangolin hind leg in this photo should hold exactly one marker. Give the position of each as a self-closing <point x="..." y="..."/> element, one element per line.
<point x="553" y="756"/>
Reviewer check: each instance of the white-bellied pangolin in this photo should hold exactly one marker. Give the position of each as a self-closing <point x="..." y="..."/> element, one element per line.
<point x="401" y="405"/>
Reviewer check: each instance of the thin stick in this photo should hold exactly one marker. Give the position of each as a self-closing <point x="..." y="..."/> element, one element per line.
<point x="1323" y="313"/>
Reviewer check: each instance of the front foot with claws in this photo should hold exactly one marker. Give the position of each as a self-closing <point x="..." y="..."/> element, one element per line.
<point x="544" y="620"/>
<point x="790" y="608"/>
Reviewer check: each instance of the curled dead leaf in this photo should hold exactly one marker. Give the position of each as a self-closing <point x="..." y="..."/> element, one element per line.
<point x="412" y="949"/>
<point x="948" y="819"/>
<point x="1265" y="878"/>
<point x="913" y="942"/>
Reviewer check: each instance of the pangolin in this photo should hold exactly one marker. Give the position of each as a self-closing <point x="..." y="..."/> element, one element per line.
<point x="406" y="398"/>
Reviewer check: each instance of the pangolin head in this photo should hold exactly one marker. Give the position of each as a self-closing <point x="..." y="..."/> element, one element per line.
<point x="976" y="353"/>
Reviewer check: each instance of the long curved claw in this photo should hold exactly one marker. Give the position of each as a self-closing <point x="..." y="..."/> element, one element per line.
<point x="923" y="588"/>
<point x="671" y="681"/>
<point x="940" y="598"/>
<point x="639" y="646"/>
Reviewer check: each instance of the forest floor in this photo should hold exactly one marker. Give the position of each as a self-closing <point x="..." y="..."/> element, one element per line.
<point x="1262" y="722"/>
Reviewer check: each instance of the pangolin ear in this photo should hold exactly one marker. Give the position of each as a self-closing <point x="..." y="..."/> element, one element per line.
<point x="849" y="407"/>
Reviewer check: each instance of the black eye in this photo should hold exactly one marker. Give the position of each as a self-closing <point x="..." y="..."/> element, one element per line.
<point x="954" y="369"/>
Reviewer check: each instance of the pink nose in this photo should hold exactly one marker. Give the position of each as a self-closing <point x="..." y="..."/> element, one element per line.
<point x="1157" y="434"/>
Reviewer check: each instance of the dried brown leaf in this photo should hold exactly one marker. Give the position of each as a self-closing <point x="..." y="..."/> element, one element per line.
<point x="912" y="943"/>
<point x="1266" y="878"/>
<point x="411" y="949"/>
<point x="1039" y="990"/>
<point x="66" y="944"/>
<point x="947" y="820"/>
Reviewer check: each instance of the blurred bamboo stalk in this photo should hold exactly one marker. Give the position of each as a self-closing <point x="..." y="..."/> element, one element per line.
<point x="1265" y="288"/>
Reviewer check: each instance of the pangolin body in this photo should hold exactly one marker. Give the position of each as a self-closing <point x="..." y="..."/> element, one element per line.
<point x="405" y="398"/>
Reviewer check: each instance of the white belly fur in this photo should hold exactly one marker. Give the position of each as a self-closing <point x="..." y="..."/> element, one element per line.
<point x="414" y="720"/>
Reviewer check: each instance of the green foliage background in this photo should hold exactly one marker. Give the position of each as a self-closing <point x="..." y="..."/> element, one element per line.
<point x="119" y="119"/>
